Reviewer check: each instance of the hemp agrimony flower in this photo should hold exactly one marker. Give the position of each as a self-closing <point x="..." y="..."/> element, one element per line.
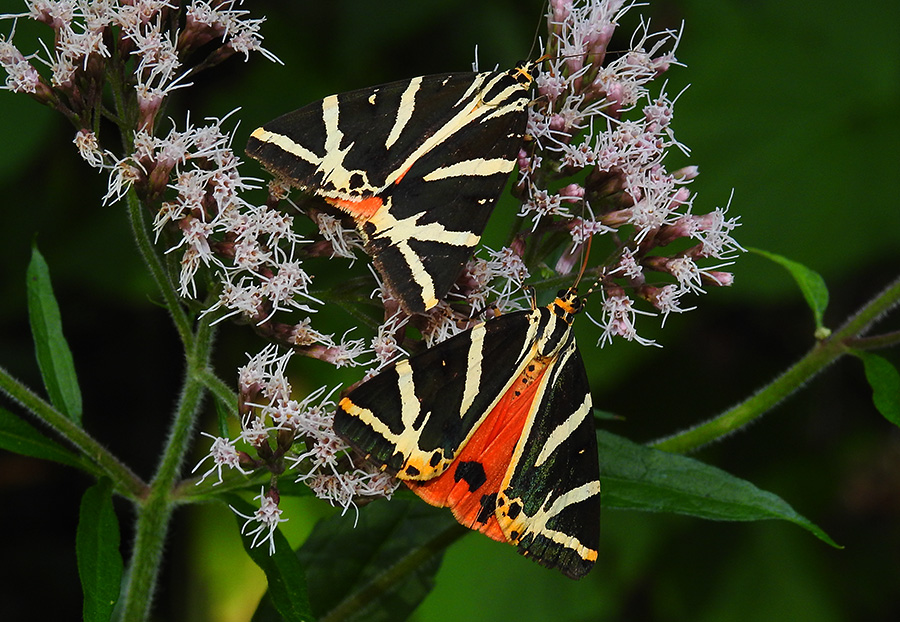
<point x="596" y="168"/>
<point x="246" y="260"/>
<point x="267" y="517"/>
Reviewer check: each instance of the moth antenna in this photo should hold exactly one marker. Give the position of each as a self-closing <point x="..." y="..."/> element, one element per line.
<point x="532" y="296"/>
<point x="584" y="261"/>
<point x="593" y="286"/>
<point x="537" y="37"/>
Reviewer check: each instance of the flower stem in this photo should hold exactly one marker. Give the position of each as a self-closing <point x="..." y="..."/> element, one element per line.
<point x="822" y="354"/>
<point x="155" y="513"/>
<point x="158" y="270"/>
<point x="219" y="388"/>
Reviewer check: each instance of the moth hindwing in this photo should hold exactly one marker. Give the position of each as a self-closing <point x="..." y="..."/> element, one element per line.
<point x="495" y="423"/>
<point x="418" y="164"/>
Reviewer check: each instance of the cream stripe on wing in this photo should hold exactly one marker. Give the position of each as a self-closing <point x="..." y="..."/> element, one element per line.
<point x="538" y="523"/>
<point x="420" y="275"/>
<point x="479" y="167"/>
<point x="404" y="112"/>
<point x="473" y="370"/>
<point x="563" y="431"/>
<point x="398" y="231"/>
<point x="468" y="114"/>
<point x="286" y="144"/>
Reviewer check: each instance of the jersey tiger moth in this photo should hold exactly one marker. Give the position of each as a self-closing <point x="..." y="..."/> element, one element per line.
<point x="495" y="423"/>
<point x="417" y="164"/>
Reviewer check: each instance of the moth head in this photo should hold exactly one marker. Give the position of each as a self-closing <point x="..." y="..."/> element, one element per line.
<point x="567" y="303"/>
<point x="524" y="72"/>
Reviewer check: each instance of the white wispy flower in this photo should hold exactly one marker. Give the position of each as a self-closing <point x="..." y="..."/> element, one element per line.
<point x="266" y="518"/>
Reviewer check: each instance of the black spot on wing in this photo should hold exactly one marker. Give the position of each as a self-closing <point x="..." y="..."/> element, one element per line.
<point x="472" y="473"/>
<point x="488" y="505"/>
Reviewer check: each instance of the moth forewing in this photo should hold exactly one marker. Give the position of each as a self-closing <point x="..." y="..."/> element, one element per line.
<point x="417" y="164"/>
<point x="420" y="411"/>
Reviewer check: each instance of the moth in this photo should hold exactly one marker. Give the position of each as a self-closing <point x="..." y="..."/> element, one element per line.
<point x="496" y="424"/>
<point x="417" y="165"/>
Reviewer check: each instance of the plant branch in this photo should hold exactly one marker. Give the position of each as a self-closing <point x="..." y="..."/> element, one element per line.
<point x="154" y="516"/>
<point x="822" y="355"/>
<point x="875" y="342"/>
<point x="158" y="270"/>
<point x="218" y="387"/>
<point x="126" y="482"/>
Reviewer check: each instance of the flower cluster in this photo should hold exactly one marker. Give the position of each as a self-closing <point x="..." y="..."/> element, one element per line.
<point x="87" y="33"/>
<point x="600" y="139"/>
<point x="267" y="517"/>
<point x="188" y="178"/>
<point x="286" y="434"/>
<point x="111" y="66"/>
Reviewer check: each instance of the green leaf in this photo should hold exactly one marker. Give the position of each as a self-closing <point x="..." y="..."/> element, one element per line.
<point x="885" y="383"/>
<point x="19" y="436"/>
<point x="97" y="549"/>
<point x="53" y="355"/>
<point x="811" y="284"/>
<point x="635" y="477"/>
<point x="284" y="571"/>
<point x="381" y="569"/>
<point x="223" y="415"/>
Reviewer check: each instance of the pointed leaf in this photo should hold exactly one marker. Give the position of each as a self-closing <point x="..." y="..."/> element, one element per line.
<point x="97" y="548"/>
<point x="381" y="569"/>
<point x="53" y="355"/>
<point x="19" y="436"/>
<point x="223" y="415"/>
<point x="284" y="571"/>
<point x="885" y="383"/>
<point x="635" y="477"/>
<point x="811" y="283"/>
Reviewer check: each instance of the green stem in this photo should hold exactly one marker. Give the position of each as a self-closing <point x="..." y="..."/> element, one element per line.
<point x="127" y="483"/>
<point x="219" y="388"/>
<point x="822" y="354"/>
<point x="123" y="112"/>
<point x="188" y="490"/>
<point x="158" y="270"/>
<point x="876" y="342"/>
<point x="155" y="514"/>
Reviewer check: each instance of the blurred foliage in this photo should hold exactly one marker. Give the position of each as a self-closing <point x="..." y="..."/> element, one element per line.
<point x="795" y="108"/>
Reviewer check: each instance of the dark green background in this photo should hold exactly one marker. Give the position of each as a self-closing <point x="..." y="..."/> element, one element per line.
<point x="795" y="106"/>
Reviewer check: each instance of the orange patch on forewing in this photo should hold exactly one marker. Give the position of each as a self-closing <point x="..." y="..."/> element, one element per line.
<point x="361" y="209"/>
<point x="491" y="447"/>
<point x="402" y="175"/>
